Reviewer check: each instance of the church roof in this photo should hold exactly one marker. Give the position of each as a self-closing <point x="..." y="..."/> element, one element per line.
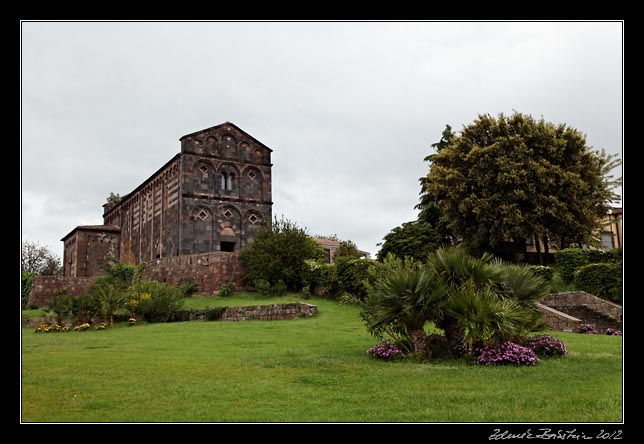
<point x="110" y="228"/>
<point x="225" y="124"/>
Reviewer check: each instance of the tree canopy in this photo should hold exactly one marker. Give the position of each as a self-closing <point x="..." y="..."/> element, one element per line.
<point x="510" y="178"/>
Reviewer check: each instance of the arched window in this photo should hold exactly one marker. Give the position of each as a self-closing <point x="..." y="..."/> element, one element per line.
<point x="229" y="181"/>
<point x="224" y="179"/>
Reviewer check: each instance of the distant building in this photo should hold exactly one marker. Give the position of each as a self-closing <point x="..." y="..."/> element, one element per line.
<point x="331" y="246"/>
<point x="611" y="235"/>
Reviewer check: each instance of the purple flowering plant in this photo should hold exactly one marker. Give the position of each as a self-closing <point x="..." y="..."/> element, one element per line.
<point x="613" y="332"/>
<point x="546" y="345"/>
<point x="505" y="353"/>
<point x="385" y="350"/>
<point x="586" y="328"/>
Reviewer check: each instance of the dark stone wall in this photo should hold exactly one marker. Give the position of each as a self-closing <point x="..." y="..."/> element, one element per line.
<point x="87" y="251"/>
<point x="45" y="287"/>
<point x="149" y="217"/>
<point x="209" y="270"/>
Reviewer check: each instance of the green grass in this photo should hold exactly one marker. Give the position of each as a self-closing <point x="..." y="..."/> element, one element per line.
<point x="301" y="370"/>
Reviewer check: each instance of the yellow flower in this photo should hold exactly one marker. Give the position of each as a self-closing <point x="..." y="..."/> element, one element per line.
<point x="145" y="296"/>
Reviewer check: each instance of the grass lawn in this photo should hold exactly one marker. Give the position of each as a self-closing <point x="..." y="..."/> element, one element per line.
<point x="299" y="370"/>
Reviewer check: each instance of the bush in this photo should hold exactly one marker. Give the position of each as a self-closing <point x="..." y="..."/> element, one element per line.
<point x="264" y="287"/>
<point x="545" y="346"/>
<point x="585" y="329"/>
<point x="279" y="252"/>
<point x="188" y="288"/>
<point x="61" y="305"/>
<point x="542" y="271"/>
<point x="505" y="353"/>
<point x="568" y="260"/>
<point x="227" y="289"/>
<point x="156" y="301"/>
<point x="84" y="308"/>
<point x="602" y="280"/>
<point x="385" y="350"/>
<point x="352" y="275"/>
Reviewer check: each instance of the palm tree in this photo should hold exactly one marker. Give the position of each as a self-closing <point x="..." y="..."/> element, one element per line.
<point x="405" y="298"/>
<point x="462" y="274"/>
<point x="110" y="298"/>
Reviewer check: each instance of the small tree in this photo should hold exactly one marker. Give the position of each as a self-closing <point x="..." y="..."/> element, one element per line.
<point x="279" y="252"/>
<point x="38" y="259"/>
<point x="414" y="239"/>
<point x="110" y="297"/>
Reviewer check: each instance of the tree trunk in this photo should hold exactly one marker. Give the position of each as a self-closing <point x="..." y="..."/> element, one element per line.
<point x="419" y="339"/>
<point x="537" y="245"/>
<point x="545" y="249"/>
<point x="454" y="334"/>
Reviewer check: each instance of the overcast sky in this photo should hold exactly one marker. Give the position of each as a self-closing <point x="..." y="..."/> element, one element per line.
<point x="349" y="109"/>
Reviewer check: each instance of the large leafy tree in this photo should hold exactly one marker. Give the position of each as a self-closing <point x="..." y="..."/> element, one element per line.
<point x="278" y="253"/>
<point x="509" y="178"/>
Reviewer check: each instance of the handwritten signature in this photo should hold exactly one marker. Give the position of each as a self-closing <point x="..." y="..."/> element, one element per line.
<point x="573" y="434"/>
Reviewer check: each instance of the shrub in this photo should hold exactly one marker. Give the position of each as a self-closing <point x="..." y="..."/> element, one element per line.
<point x="612" y="332"/>
<point x="84" y="307"/>
<point x="61" y="305"/>
<point x="264" y="287"/>
<point x="603" y="280"/>
<point x="121" y="274"/>
<point x="545" y="346"/>
<point x="227" y="289"/>
<point x="505" y="353"/>
<point x="213" y="313"/>
<point x="157" y="302"/>
<point x="351" y="275"/>
<point x="542" y="271"/>
<point x="568" y="260"/>
<point x="188" y="288"/>
<point x="586" y="329"/>
<point x="385" y="350"/>
<point x="279" y="252"/>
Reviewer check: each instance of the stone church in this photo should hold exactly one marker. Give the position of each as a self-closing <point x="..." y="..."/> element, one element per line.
<point x="210" y="197"/>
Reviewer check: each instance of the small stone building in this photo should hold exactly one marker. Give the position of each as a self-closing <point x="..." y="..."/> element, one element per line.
<point x="210" y="197"/>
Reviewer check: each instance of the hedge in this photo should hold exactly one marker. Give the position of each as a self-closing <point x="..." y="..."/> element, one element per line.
<point x="603" y="280"/>
<point x="569" y="260"/>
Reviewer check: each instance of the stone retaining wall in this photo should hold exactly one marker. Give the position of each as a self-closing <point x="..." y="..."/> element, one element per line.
<point x="261" y="312"/>
<point x="560" y="301"/>
<point x="210" y="271"/>
<point x="44" y="288"/>
<point x="558" y="320"/>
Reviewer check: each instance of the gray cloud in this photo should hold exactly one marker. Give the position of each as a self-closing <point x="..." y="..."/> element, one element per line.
<point x="350" y="109"/>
